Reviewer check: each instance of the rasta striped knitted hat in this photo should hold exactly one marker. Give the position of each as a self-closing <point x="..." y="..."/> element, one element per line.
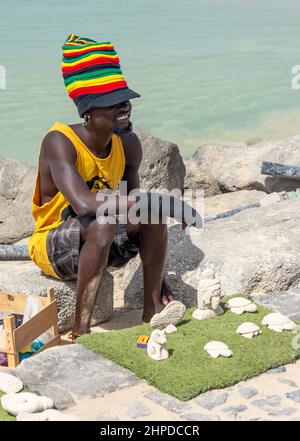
<point x="92" y="74"/>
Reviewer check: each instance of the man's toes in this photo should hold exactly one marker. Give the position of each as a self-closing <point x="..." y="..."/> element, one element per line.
<point x="171" y="297"/>
<point x="165" y="300"/>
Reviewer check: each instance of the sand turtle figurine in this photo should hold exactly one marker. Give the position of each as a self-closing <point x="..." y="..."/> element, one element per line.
<point x="217" y="348"/>
<point x="248" y="330"/>
<point x="239" y="305"/>
<point x="278" y="322"/>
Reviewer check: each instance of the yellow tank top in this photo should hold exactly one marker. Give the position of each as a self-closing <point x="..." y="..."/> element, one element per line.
<point x="96" y="172"/>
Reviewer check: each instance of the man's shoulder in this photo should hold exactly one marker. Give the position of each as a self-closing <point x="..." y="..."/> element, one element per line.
<point x="132" y="148"/>
<point x="132" y="140"/>
<point x="56" y="143"/>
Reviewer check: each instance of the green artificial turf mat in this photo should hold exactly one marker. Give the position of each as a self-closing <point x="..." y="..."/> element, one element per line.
<point x="4" y="416"/>
<point x="189" y="370"/>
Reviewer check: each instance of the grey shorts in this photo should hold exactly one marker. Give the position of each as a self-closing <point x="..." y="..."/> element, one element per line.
<point x="64" y="245"/>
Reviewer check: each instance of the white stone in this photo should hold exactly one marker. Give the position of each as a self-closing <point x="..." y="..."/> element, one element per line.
<point x="278" y="322"/>
<point x="25" y="402"/>
<point x="157" y="345"/>
<point x="170" y="329"/>
<point x="47" y="415"/>
<point x="239" y="305"/>
<point x="10" y="383"/>
<point x="217" y="348"/>
<point x="248" y="330"/>
<point x="208" y="296"/>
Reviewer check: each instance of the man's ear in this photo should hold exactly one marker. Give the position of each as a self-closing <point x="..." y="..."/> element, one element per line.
<point x="87" y="118"/>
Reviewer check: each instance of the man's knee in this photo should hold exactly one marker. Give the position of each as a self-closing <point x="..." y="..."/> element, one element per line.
<point x="159" y="228"/>
<point x="101" y="234"/>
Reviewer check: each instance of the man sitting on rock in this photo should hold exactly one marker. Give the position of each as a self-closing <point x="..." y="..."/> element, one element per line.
<point x="75" y="163"/>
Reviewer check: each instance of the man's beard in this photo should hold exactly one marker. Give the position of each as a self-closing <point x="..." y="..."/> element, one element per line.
<point x="118" y="131"/>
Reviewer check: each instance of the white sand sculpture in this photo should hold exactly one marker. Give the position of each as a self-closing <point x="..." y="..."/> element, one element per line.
<point x="9" y="383"/>
<point x="208" y="296"/>
<point x="248" y="330"/>
<point x="157" y="345"/>
<point x="47" y="415"/>
<point x="25" y="402"/>
<point x="239" y="305"/>
<point x="278" y="322"/>
<point x="172" y="313"/>
<point x="217" y="348"/>
<point x="170" y="329"/>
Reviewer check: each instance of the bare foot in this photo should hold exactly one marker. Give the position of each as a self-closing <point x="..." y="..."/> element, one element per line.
<point x="77" y="332"/>
<point x="166" y="296"/>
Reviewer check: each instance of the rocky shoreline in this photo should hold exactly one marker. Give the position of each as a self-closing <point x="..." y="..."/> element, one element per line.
<point x="218" y="169"/>
<point x="254" y="251"/>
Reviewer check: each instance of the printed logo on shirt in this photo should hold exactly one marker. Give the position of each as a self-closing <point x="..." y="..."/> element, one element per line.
<point x="98" y="182"/>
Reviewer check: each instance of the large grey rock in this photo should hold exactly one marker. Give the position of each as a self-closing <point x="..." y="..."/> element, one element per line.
<point x="220" y="168"/>
<point x="27" y="278"/>
<point x="181" y="272"/>
<point x="221" y="203"/>
<point x="287" y="303"/>
<point x="16" y="188"/>
<point x="162" y="165"/>
<point x="254" y="252"/>
<point x="196" y="178"/>
<point x="67" y="373"/>
<point x="286" y="151"/>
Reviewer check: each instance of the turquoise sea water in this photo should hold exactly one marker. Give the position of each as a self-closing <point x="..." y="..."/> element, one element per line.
<point x="207" y="70"/>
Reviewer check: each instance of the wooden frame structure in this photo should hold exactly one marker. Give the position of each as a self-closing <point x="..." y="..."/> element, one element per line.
<point x="13" y="339"/>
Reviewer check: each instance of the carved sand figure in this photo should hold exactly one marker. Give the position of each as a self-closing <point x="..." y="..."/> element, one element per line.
<point x="239" y="305"/>
<point x="217" y="348"/>
<point x="25" y="402"/>
<point x="208" y="296"/>
<point x="278" y="322"/>
<point x="248" y="330"/>
<point x="157" y="345"/>
<point x="170" y="315"/>
<point x="10" y="383"/>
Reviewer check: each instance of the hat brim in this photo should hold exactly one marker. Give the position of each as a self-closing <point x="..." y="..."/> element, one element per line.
<point x="88" y="102"/>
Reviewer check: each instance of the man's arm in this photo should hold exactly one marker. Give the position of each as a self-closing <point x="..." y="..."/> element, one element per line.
<point x="133" y="154"/>
<point x="60" y="154"/>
